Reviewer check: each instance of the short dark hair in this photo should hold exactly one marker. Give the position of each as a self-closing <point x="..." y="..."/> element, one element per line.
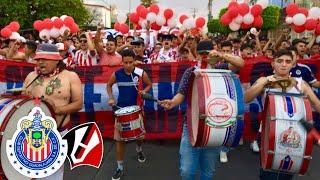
<point x="296" y="41"/>
<point x="226" y="43"/>
<point x="236" y="40"/>
<point x="283" y="52"/>
<point x="245" y="46"/>
<point x="32" y="45"/>
<point x="127" y="53"/>
<point x="83" y="36"/>
<point x="112" y="40"/>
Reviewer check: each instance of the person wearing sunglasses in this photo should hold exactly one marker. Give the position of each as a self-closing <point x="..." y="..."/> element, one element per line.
<point x="86" y="55"/>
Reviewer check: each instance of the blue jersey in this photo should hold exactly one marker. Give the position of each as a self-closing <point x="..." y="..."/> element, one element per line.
<point x="303" y="71"/>
<point x="128" y="85"/>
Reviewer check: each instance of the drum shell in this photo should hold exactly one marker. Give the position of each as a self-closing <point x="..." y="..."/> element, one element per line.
<point x="11" y="110"/>
<point x="209" y="91"/>
<point x="130" y="124"/>
<point x="281" y="116"/>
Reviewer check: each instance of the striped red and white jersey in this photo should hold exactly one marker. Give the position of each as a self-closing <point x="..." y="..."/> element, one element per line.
<point x="39" y="155"/>
<point x="85" y="58"/>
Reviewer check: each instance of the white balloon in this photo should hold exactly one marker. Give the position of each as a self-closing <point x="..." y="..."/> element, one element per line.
<point x="143" y="23"/>
<point x="54" y="32"/>
<point x="53" y="18"/>
<point x="152" y="17"/>
<point x="248" y="18"/>
<point x="318" y="39"/>
<point x="234" y="26"/>
<point x="253" y="30"/>
<point x="314" y="13"/>
<point x="63" y="17"/>
<point x="63" y="29"/>
<point x="263" y="3"/>
<point x="299" y="19"/>
<point x="14" y="36"/>
<point x="44" y="34"/>
<point x="289" y="20"/>
<point x="122" y="18"/>
<point x="172" y="23"/>
<point x="238" y="19"/>
<point x="160" y="20"/>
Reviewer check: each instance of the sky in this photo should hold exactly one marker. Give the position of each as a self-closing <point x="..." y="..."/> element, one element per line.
<point x="179" y="6"/>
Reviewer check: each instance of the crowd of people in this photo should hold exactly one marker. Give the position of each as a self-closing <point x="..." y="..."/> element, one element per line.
<point x="84" y="50"/>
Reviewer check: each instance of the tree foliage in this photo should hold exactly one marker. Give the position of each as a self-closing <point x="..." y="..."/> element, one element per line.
<point x="147" y="3"/>
<point x="28" y="11"/>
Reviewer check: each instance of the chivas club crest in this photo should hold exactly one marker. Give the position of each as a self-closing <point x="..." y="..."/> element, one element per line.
<point x="36" y="149"/>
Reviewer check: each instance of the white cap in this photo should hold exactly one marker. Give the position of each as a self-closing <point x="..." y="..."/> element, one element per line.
<point x="60" y="46"/>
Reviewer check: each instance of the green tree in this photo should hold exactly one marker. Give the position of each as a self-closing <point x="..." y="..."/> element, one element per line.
<point x="28" y="11"/>
<point x="147" y="3"/>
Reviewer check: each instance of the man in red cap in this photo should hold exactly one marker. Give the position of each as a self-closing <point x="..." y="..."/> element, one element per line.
<point x="61" y="88"/>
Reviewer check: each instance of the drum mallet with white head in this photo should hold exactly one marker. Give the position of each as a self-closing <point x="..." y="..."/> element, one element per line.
<point x="147" y="96"/>
<point x="310" y="129"/>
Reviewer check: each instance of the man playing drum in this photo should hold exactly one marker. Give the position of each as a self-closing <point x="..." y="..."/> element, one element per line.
<point x="129" y="80"/>
<point x="61" y="88"/>
<point x="203" y="157"/>
<point x="282" y="65"/>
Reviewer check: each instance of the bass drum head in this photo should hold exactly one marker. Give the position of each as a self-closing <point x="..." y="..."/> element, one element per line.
<point x="11" y="115"/>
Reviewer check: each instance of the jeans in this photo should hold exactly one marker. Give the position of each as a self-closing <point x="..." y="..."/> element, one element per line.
<point x="193" y="158"/>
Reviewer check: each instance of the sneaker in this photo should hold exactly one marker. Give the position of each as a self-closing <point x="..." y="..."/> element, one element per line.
<point x="241" y="141"/>
<point x="117" y="175"/>
<point x="254" y="146"/>
<point x="223" y="157"/>
<point x="141" y="157"/>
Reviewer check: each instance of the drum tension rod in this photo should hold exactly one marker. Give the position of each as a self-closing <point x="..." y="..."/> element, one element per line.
<point x="1" y="133"/>
<point x="307" y="157"/>
<point x="270" y="152"/>
<point x="202" y="116"/>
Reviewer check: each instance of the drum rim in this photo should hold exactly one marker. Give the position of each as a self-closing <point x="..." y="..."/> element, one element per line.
<point x="136" y="110"/>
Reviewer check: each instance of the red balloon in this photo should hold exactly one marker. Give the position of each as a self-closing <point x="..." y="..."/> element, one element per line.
<point x="182" y="18"/>
<point x="38" y="25"/>
<point x="195" y="31"/>
<point x="139" y="8"/>
<point x="138" y="27"/>
<point x="168" y="13"/>
<point x="155" y="26"/>
<point x="143" y="12"/>
<point x="318" y="29"/>
<point x="233" y="4"/>
<point x="256" y="10"/>
<point x="6" y="32"/>
<point x="47" y="24"/>
<point x="299" y="29"/>
<point x="154" y="8"/>
<point x="225" y="19"/>
<point x="292" y="9"/>
<point x="116" y="26"/>
<point x="68" y="21"/>
<point x="311" y="24"/>
<point x="200" y="22"/>
<point x="258" y="22"/>
<point x="304" y="11"/>
<point x="58" y="23"/>
<point x="244" y="9"/>
<point x="233" y="12"/>
<point x="124" y="28"/>
<point x="134" y="18"/>
<point x="245" y="26"/>
<point x="74" y="28"/>
<point x="14" y="26"/>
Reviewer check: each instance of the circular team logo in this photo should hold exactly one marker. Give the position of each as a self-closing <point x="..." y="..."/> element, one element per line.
<point x="298" y="72"/>
<point x="220" y="111"/>
<point x="36" y="149"/>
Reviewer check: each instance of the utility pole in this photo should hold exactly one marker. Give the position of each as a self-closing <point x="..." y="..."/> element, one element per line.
<point x="194" y="10"/>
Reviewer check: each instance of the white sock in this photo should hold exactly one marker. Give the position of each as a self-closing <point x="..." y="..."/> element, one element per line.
<point x="120" y="165"/>
<point x="138" y="148"/>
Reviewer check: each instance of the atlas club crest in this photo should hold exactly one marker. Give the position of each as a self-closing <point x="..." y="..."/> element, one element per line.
<point x="36" y="149"/>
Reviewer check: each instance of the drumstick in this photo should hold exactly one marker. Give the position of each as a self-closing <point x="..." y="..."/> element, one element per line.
<point x="310" y="129"/>
<point x="147" y="96"/>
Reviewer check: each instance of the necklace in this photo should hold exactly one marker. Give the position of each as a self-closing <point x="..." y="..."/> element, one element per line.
<point x="54" y="83"/>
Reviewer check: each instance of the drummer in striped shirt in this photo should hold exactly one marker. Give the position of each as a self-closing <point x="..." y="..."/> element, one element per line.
<point x="205" y="157"/>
